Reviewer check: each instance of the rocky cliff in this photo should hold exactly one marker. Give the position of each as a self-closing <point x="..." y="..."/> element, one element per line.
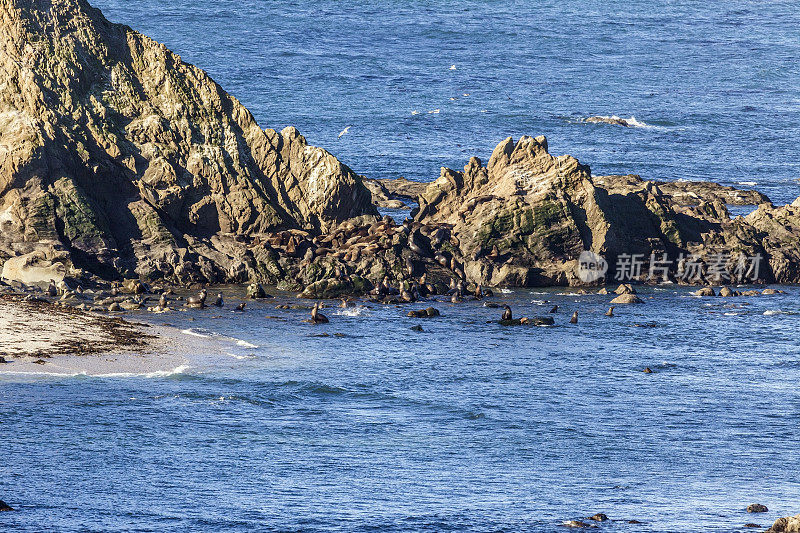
<point x="119" y="158"/>
<point x="525" y="218"/>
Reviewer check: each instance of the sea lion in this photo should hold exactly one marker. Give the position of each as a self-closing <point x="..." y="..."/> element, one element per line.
<point x="574" y="319"/>
<point x="316" y="316"/>
<point x="162" y="302"/>
<point x="479" y="292"/>
<point x="219" y="302"/>
<point x="647" y="370"/>
<point x="554" y="309"/>
<point x="197" y="301"/>
<point x="343" y="305"/>
<point x="240" y="307"/>
<point x="507" y="315"/>
<point x="610" y="311"/>
<point x="456" y="298"/>
<point x="52" y="290"/>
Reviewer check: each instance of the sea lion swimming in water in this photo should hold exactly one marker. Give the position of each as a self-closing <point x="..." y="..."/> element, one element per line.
<point x="218" y="302"/>
<point x="507" y="315"/>
<point x="343" y="305"/>
<point x="610" y="311"/>
<point x="554" y="309"/>
<point x="316" y="316"/>
<point x="574" y="319"/>
<point x="240" y="307"/>
<point x="197" y="301"/>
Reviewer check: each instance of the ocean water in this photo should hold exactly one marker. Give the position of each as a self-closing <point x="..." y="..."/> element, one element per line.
<point x="714" y="85"/>
<point x="365" y="425"/>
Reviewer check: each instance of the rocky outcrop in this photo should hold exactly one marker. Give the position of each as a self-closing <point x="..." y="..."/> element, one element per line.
<point x="789" y="524"/>
<point x="119" y="160"/>
<point x="394" y="193"/>
<point x="685" y="193"/>
<point x="136" y="163"/>
<point x="525" y="218"/>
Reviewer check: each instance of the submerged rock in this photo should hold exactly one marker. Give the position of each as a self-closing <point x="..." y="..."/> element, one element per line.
<point x="626" y="298"/>
<point x="757" y="508"/>
<point x="705" y="291"/>
<point x="5" y="507"/>
<point x="430" y="312"/>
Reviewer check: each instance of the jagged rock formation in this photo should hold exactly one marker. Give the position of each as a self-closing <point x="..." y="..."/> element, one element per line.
<point x="525" y="218"/>
<point x="115" y="151"/>
<point x="119" y="159"/>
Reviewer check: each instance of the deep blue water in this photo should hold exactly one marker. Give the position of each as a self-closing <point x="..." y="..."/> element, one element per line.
<point x="468" y="426"/>
<point x="365" y="425"/>
<point x="718" y="81"/>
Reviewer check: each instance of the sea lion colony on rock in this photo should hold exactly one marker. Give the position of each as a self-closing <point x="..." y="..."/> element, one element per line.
<point x="89" y="199"/>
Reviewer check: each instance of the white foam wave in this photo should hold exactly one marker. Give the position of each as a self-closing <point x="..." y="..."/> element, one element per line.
<point x="506" y="291"/>
<point x="245" y="344"/>
<point x="352" y="311"/>
<point x="631" y="121"/>
<point x="772" y="312"/>
<point x="206" y="334"/>
<point x="239" y="356"/>
<point x="196" y="332"/>
<point x="747" y="183"/>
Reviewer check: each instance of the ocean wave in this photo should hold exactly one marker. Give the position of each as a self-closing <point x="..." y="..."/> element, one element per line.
<point x="85" y="374"/>
<point x="747" y="183"/>
<point x="352" y="311"/>
<point x="208" y="334"/>
<point x="240" y="342"/>
<point x="630" y="122"/>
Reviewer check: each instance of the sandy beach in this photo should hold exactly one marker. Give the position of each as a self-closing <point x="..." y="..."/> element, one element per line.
<point x="38" y="337"/>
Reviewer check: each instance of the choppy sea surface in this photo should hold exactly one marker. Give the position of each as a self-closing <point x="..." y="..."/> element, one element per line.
<point x="714" y="87"/>
<point x="365" y="425"/>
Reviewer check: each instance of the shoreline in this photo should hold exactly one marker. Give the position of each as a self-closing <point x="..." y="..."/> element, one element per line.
<point x="41" y="338"/>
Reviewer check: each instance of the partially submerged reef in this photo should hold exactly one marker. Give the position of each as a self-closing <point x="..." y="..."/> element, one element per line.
<point x="119" y="162"/>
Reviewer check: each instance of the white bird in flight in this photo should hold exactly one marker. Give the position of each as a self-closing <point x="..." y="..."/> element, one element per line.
<point x="344" y="132"/>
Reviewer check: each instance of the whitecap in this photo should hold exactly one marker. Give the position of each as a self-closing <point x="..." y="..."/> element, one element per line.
<point x="245" y="344"/>
<point x="237" y="356"/>
<point x="198" y="332"/>
<point x="748" y="183"/>
<point x="630" y="122"/>
<point x="352" y="311"/>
